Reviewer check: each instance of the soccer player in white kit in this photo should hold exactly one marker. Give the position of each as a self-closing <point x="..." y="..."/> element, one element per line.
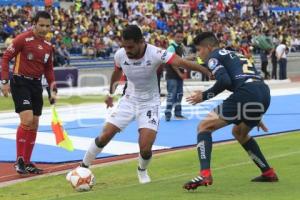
<point x="141" y="100"/>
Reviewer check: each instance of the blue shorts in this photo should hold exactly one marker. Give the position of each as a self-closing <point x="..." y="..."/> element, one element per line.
<point x="247" y="104"/>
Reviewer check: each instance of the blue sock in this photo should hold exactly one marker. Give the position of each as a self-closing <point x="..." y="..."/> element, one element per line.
<point x="256" y="155"/>
<point x="204" y="148"/>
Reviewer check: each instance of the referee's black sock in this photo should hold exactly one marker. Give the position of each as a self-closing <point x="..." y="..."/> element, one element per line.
<point x="204" y="148"/>
<point x="256" y="155"/>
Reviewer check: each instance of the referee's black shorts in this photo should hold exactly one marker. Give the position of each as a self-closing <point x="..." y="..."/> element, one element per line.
<point x="27" y="94"/>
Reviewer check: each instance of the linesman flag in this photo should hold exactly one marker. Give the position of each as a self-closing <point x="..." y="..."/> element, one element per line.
<point x="61" y="136"/>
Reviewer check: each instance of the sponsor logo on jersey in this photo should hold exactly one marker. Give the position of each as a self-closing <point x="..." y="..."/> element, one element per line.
<point x="46" y="57"/>
<point x="30" y="56"/>
<point x="163" y="57"/>
<point x="148" y="63"/>
<point x="126" y="63"/>
<point x="137" y="63"/>
<point x="40" y="47"/>
<point x="29" y="39"/>
<point x="212" y="63"/>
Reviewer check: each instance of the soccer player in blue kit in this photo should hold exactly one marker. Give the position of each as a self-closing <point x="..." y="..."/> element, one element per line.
<point x="244" y="108"/>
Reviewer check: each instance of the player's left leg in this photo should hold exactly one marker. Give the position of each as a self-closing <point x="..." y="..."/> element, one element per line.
<point x="241" y="132"/>
<point x="30" y="142"/>
<point x="37" y="106"/>
<point x="204" y="147"/>
<point x="146" y="139"/>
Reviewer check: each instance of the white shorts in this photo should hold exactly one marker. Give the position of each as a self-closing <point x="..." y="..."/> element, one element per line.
<point x="127" y="110"/>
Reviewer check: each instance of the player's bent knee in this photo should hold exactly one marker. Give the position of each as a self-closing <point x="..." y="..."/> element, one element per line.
<point x="100" y="143"/>
<point x="236" y="131"/>
<point x="205" y="126"/>
<point x="28" y="122"/>
<point x="146" y="154"/>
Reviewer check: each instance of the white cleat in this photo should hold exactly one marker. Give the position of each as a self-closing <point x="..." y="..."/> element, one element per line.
<point x="143" y="176"/>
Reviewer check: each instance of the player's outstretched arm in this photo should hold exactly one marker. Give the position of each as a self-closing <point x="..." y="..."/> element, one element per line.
<point x="181" y="62"/>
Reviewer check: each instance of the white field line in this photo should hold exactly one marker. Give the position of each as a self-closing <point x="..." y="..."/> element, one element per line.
<point x="186" y="174"/>
<point x="4" y="184"/>
<point x="83" y="143"/>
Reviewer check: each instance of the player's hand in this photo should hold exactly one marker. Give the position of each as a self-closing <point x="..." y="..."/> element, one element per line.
<point x="262" y="126"/>
<point x="208" y="73"/>
<point x="195" y="98"/>
<point x="109" y="101"/>
<point x="5" y="89"/>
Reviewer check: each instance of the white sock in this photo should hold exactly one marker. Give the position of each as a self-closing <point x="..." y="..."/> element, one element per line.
<point x="91" y="153"/>
<point x="143" y="164"/>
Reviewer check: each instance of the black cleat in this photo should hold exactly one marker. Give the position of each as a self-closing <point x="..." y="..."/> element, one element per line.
<point x="83" y="165"/>
<point x="267" y="176"/>
<point x="180" y="117"/>
<point x="32" y="169"/>
<point x="198" y="181"/>
<point x="20" y="166"/>
<point x="263" y="178"/>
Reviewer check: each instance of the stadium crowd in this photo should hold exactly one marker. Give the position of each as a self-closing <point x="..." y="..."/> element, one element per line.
<point x="93" y="28"/>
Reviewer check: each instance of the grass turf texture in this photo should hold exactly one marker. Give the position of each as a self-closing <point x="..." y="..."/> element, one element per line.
<point x="232" y="172"/>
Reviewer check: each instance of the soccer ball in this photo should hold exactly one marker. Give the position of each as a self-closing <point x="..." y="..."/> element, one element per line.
<point x="81" y="179"/>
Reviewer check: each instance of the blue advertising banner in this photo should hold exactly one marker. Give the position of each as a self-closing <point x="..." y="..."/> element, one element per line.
<point x="65" y="77"/>
<point x="39" y="3"/>
<point x="285" y="9"/>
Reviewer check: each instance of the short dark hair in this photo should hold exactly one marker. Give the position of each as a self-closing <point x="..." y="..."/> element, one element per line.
<point x="41" y="14"/>
<point x="132" y="32"/>
<point x="205" y="38"/>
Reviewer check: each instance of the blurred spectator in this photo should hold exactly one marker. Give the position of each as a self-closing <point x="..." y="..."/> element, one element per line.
<point x="274" y="63"/>
<point x="62" y="55"/>
<point x="233" y="21"/>
<point x="281" y="54"/>
<point x="174" y="78"/>
<point x="264" y="63"/>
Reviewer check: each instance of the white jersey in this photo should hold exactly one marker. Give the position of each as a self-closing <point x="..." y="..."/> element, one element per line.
<point x="141" y="75"/>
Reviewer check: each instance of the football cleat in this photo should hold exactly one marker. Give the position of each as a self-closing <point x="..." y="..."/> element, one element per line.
<point x="268" y="176"/>
<point x="143" y="176"/>
<point x="20" y="166"/>
<point x="180" y="117"/>
<point x="83" y="165"/>
<point x="198" y="181"/>
<point x="32" y="169"/>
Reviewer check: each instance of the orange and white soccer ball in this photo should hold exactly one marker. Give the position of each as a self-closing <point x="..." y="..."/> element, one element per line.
<point x="81" y="179"/>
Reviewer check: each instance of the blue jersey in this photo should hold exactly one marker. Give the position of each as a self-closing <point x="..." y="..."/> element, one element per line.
<point x="231" y="71"/>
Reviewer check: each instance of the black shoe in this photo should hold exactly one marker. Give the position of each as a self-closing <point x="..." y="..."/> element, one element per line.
<point x="83" y="165"/>
<point x="32" y="169"/>
<point x="20" y="166"/>
<point x="180" y="117"/>
<point x="198" y="181"/>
